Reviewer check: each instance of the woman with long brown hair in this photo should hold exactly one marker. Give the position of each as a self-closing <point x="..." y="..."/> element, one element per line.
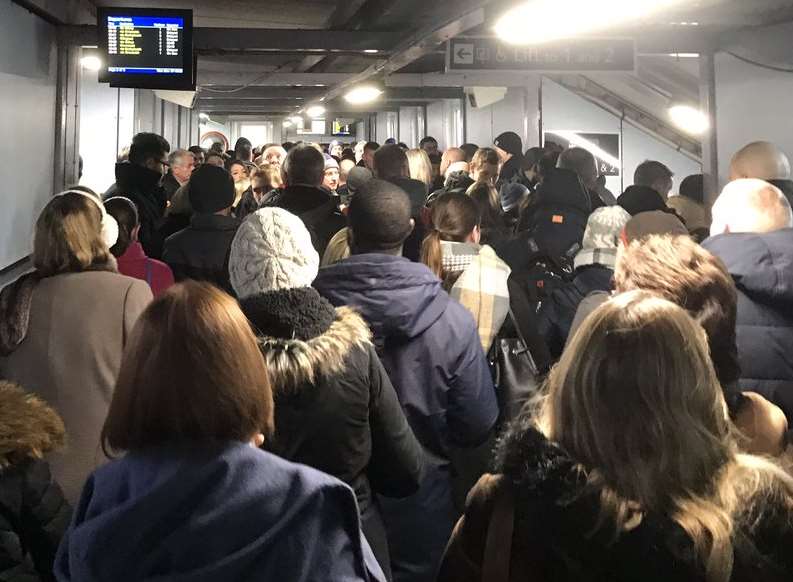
<point x="628" y="469"/>
<point x="484" y="166"/>
<point x="471" y="273"/>
<point x="63" y="327"/>
<point x="194" y="497"/>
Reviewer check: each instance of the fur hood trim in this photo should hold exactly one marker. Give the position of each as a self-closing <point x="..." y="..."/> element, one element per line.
<point x="292" y="362"/>
<point x="29" y="428"/>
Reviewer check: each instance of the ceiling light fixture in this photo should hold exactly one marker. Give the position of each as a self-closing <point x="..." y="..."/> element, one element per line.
<point x="315" y="111"/>
<point x="546" y="20"/>
<point x="91" y="62"/>
<point x="362" y="94"/>
<point x="371" y="51"/>
<point x="203" y="116"/>
<point x="689" y="119"/>
<point x="684" y="55"/>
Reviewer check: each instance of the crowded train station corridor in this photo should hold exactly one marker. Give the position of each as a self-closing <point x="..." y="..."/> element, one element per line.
<point x="396" y="291"/>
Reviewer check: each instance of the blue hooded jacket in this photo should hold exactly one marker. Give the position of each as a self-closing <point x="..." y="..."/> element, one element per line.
<point x="428" y="344"/>
<point x="430" y="348"/>
<point x="762" y="267"/>
<point x="230" y="513"/>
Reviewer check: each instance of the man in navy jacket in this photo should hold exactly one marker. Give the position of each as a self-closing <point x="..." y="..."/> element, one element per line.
<point x="752" y="231"/>
<point x="430" y="348"/>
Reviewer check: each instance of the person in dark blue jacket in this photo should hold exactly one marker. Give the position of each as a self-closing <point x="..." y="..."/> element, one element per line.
<point x="195" y="499"/>
<point x="430" y="348"/>
<point x="752" y="231"/>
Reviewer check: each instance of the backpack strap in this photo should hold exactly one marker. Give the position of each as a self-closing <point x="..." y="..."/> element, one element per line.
<point x="498" y="545"/>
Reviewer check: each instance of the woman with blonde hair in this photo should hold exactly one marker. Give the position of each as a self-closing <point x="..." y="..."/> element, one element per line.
<point x="64" y="326"/>
<point x="484" y="166"/>
<point x="420" y="167"/>
<point x="471" y="273"/>
<point x="628" y="469"/>
<point x="194" y="497"/>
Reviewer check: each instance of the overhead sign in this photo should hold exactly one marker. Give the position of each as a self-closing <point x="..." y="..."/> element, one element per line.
<point x="579" y="55"/>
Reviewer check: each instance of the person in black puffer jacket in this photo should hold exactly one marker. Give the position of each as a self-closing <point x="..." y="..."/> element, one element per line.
<point x="594" y="270"/>
<point x="200" y="251"/>
<point x="336" y="409"/>
<point x="33" y="513"/>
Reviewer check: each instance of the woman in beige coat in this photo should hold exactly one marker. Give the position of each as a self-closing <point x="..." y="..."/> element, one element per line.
<point x="63" y="327"/>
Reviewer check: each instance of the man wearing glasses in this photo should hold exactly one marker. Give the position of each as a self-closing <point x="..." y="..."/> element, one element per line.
<point x="140" y="180"/>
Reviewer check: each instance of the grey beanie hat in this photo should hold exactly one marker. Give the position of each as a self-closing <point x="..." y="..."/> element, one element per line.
<point x="271" y="251"/>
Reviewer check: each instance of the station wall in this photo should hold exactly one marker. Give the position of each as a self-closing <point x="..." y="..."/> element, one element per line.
<point x="27" y="124"/>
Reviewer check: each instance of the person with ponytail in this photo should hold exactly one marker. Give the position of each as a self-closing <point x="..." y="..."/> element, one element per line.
<point x="130" y="256"/>
<point x="627" y="469"/>
<point x="471" y="273"/>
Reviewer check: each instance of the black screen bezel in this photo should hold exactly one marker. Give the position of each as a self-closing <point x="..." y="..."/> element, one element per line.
<point x="184" y="82"/>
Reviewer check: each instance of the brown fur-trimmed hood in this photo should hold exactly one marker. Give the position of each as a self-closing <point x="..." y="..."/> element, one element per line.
<point x="302" y="336"/>
<point x="29" y="428"/>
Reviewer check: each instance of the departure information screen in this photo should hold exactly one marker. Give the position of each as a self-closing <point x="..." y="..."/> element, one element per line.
<point x="145" y="45"/>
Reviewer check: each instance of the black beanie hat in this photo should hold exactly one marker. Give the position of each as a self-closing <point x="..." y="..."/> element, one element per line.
<point x="211" y="189"/>
<point x="510" y="142"/>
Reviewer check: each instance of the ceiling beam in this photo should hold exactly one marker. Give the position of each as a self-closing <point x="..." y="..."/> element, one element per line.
<point x="468" y="14"/>
<point x="308" y="93"/>
<point x="214" y="39"/>
<point x="273" y="80"/>
<point x="61" y="11"/>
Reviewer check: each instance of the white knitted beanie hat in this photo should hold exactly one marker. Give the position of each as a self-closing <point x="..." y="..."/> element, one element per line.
<point x="271" y="251"/>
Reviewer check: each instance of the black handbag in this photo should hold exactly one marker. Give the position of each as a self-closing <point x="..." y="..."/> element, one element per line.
<point x="519" y="357"/>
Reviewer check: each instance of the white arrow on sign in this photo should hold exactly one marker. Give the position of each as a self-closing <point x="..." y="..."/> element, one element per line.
<point x="464" y="54"/>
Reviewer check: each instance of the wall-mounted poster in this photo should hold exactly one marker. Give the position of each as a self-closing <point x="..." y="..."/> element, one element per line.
<point x="604" y="146"/>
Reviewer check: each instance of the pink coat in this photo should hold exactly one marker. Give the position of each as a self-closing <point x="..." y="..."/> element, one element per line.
<point x="135" y="263"/>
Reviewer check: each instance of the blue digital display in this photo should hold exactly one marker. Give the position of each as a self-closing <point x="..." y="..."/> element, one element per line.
<point x="145" y="45"/>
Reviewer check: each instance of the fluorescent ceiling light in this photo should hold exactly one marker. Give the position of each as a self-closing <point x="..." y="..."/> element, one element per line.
<point x="315" y="111"/>
<point x="689" y="119"/>
<point x="203" y="116"/>
<point x="363" y="94"/>
<point x="546" y="20"/>
<point x="371" y="51"/>
<point x="576" y="140"/>
<point x="684" y="55"/>
<point x="91" y="62"/>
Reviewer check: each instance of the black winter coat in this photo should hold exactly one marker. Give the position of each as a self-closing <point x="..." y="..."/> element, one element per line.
<point x="555" y="537"/>
<point x="201" y="251"/>
<point x="142" y="186"/>
<point x="33" y="512"/>
<point x="556" y="314"/>
<point x="318" y="210"/>
<point x="762" y="267"/>
<point x="335" y="407"/>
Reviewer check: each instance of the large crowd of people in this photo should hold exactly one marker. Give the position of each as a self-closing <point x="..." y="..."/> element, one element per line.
<point x="375" y="363"/>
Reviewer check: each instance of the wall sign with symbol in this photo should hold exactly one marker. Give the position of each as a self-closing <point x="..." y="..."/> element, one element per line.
<point x="579" y="55"/>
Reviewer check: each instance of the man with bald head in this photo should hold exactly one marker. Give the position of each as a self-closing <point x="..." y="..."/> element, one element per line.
<point x="764" y="161"/>
<point x="752" y="233"/>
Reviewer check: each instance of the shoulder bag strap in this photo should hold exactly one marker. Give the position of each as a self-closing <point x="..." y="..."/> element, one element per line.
<point x="148" y="272"/>
<point x="498" y="546"/>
